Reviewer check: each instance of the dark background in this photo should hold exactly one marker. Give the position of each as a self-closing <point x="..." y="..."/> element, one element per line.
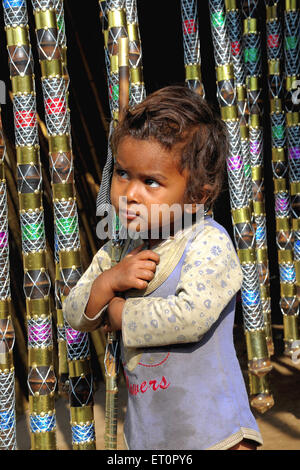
<point x="161" y="35"/>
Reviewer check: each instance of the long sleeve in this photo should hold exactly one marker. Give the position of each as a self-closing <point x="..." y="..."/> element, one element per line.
<point x="75" y="303"/>
<point x="210" y="277"/>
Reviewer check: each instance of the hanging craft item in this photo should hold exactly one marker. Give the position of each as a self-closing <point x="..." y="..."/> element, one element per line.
<point x="117" y="32"/>
<point x="252" y="58"/>
<point x="291" y="273"/>
<point x="191" y="46"/>
<point x="41" y="377"/>
<point x="7" y="333"/>
<point x="258" y="358"/>
<point x="137" y="86"/>
<point x="65" y="217"/>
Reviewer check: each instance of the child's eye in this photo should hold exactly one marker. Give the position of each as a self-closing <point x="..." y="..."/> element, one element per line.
<point x="121" y="173"/>
<point x="152" y="183"/>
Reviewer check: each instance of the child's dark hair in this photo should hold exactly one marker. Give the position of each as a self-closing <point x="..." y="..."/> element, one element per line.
<point x="177" y="115"/>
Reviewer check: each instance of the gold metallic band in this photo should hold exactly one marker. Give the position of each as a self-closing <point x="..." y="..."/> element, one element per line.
<point x="256" y="344"/>
<point x="290" y="5"/>
<point x="262" y="255"/>
<point x="38" y="307"/>
<point x="116" y="18"/>
<point x="258" y="385"/>
<point x="230" y="5"/>
<point x="63" y="190"/>
<point x="114" y="64"/>
<point x="51" y="68"/>
<point x="123" y="52"/>
<point x="79" y="368"/>
<point x="241" y="215"/>
<point x="244" y="132"/>
<point x="289" y="81"/>
<point x="193" y="72"/>
<point x="280" y="185"/>
<point x="297" y="268"/>
<point x="34" y="261"/>
<point x="59" y="143"/>
<point x="133" y="31"/>
<point x="60" y="317"/>
<point x="292" y="119"/>
<point x="69" y="259"/>
<point x="42" y="403"/>
<point x="253" y="83"/>
<point x="45" y="19"/>
<point x="22" y="85"/>
<point x="257" y="173"/>
<point x="247" y="255"/>
<point x="27" y="155"/>
<point x="296" y="224"/>
<point x="259" y="208"/>
<point x="285" y="256"/>
<point x="6" y="362"/>
<point x="224" y="72"/>
<point x="241" y="94"/>
<point x="17" y="36"/>
<point x="278" y="154"/>
<point x="290" y="327"/>
<point x="254" y="120"/>
<point x="250" y="26"/>
<point x="264" y="292"/>
<point x="136" y="75"/>
<point x="276" y="106"/>
<point x="287" y="290"/>
<point x="5" y="308"/>
<point x="295" y="188"/>
<point x="86" y="445"/>
<point x="283" y="223"/>
<point x="2" y="171"/>
<point x="30" y="201"/>
<point x="271" y="12"/>
<point x="229" y="113"/>
<point x="274" y="67"/>
<point x="40" y="356"/>
<point x="80" y="415"/>
<point x="43" y="440"/>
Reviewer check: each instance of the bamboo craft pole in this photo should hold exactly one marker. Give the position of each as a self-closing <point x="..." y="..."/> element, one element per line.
<point x="137" y="86"/>
<point x="7" y="332"/>
<point x="191" y="46"/>
<point x="291" y="75"/>
<point x="63" y="369"/>
<point x="97" y="335"/>
<point x="252" y="58"/>
<point x="117" y="30"/>
<point x="289" y="304"/>
<point x="65" y="218"/>
<point x="41" y="378"/>
<point x="234" y="21"/>
<point x="258" y="358"/>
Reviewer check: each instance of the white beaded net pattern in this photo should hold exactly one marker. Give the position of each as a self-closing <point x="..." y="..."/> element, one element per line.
<point x="190" y="25"/>
<point x="15" y="13"/>
<point x="7" y="411"/>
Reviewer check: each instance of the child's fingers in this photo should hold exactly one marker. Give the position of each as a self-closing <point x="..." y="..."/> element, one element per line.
<point x="150" y="255"/>
<point x="145" y="274"/>
<point x="147" y="264"/>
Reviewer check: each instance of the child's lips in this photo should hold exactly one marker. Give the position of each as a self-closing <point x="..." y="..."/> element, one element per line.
<point x="129" y="215"/>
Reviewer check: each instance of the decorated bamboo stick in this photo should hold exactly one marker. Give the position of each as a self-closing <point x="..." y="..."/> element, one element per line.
<point x="253" y="65"/>
<point x="7" y="332"/>
<point x="65" y="217"/>
<point x="258" y="358"/>
<point x="118" y="54"/>
<point x="291" y="75"/>
<point x="191" y="46"/>
<point x="289" y="303"/>
<point x="41" y="377"/>
<point x="137" y="86"/>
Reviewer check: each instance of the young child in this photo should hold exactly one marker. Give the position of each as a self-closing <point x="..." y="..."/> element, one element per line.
<point x="174" y="298"/>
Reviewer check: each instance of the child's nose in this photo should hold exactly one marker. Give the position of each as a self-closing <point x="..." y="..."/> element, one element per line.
<point x="133" y="192"/>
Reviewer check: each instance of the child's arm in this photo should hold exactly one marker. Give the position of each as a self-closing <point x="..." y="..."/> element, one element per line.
<point x="210" y="277"/>
<point x="85" y="305"/>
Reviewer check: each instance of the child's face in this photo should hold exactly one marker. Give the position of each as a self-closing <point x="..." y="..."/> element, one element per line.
<point x="145" y="174"/>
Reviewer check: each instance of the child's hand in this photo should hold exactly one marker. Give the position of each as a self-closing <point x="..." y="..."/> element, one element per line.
<point x="114" y="314"/>
<point x="134" y="271"/>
